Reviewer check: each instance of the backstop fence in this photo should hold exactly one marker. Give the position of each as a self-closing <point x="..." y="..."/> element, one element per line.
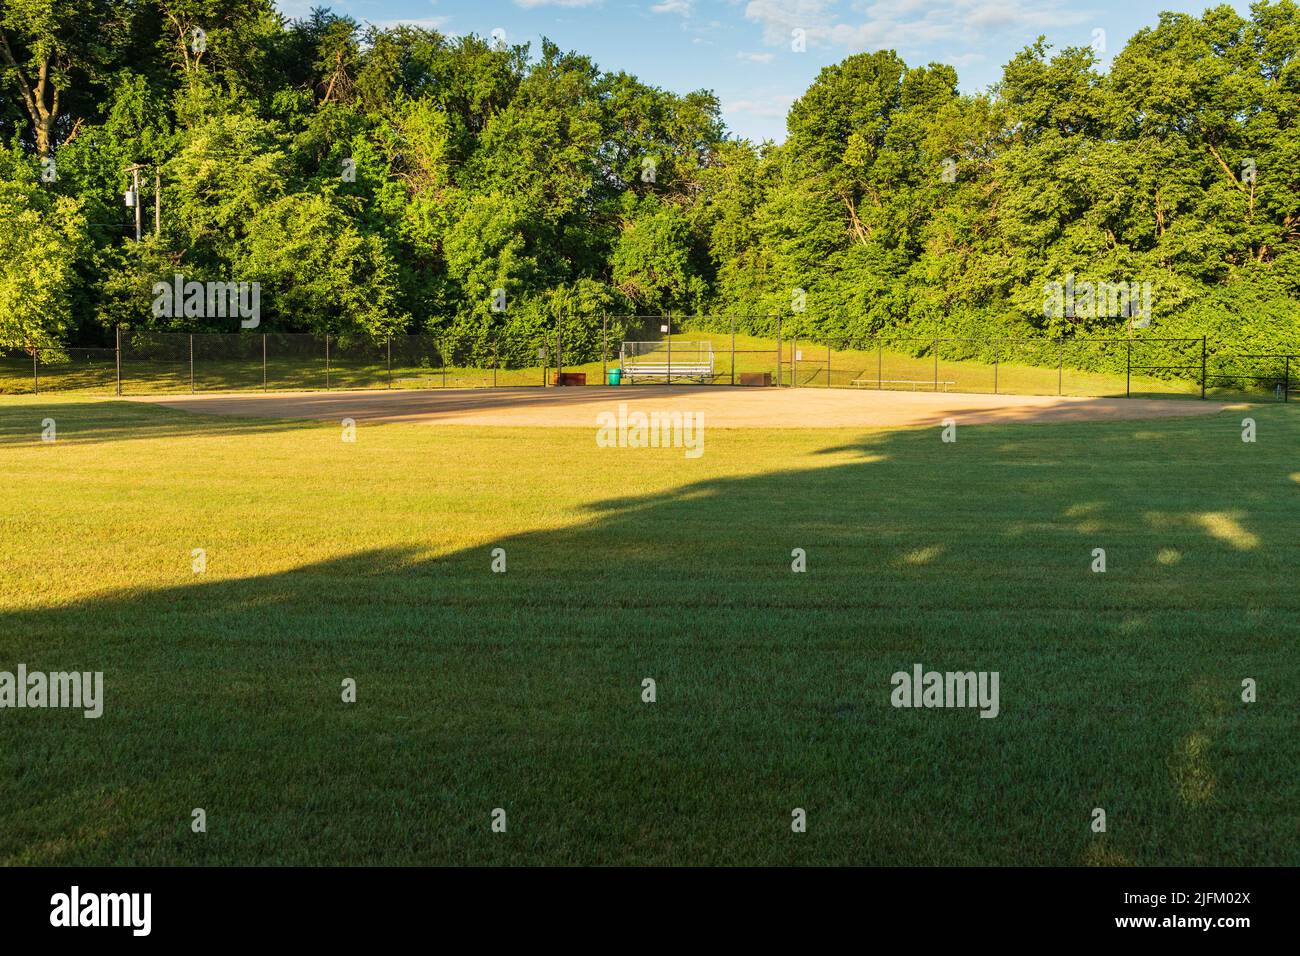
<point x="653" y="350"/>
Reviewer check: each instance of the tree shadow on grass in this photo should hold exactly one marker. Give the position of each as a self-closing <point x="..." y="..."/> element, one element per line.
<point x="110" y="420"/>
<point x="524" y="689"/>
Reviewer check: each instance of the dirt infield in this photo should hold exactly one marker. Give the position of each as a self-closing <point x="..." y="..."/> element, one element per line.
<point x="723" y="407"/>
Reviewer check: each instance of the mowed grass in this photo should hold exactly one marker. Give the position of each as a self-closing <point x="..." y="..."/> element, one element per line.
<point x="522" y="690"/>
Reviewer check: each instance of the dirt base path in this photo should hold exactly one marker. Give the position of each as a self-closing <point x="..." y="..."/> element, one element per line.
<point x="723" y="407"/>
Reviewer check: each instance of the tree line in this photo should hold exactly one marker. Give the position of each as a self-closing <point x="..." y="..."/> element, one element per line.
<point x="386" y="181"/>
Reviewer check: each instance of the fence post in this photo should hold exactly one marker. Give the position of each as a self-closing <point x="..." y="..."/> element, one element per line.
<point x="327" y="361"/>
<point x="1060" y="367"/>
<point x="828" y="365"/>
<point x="1128" y="371"/>
<point x="794" y="361"/>
<point x="191" y="363"/>
<point x="935" y="346"/>
<point x="880" y="359"/>
<point x="389" y="350"/>
<point x="733" y="350"/>
<point x="264" y="361"/>
<point x="604" y="348"/>
<point x="559" y="349"/>
<point x="996" y="356"/>
<point x="778" y="351"/>
<point x="496" y="360"/>
<point x="118" y="356"/>
<point x="669" y="379"/>
<point x="36" y="372"/>
<point x="1202" y="367"/>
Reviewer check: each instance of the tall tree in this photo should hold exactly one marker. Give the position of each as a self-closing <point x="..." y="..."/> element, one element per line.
<point x="51" y="50"/>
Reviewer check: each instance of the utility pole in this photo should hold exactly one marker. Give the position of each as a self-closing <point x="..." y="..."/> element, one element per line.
<point x="133" y="197"/>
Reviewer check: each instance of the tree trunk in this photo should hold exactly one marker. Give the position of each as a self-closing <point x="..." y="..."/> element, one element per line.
<point x="41" y="99"/>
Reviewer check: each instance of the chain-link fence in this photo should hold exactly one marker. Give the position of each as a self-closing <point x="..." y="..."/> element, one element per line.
<point x="58" y="370"/>
<point x="668" y="350"/>
<point x="1237" y="374"/>
<point x="276" y="361"/>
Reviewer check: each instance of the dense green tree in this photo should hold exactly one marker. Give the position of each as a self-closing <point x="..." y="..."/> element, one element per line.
<point x="500" y="197"/>
<point x="317" y="271"/>
<point x="42" y="239"/>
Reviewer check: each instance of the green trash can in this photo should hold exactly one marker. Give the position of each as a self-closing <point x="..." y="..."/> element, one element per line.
<point x="615" y="376"/>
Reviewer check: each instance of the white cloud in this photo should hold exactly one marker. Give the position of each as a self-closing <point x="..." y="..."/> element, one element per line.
<point x="682" y="7"/>
<point x="771" y="107"/>
<point x="428" y="23"/>
<point x="906" y="24"/>
<point x="779" y="17"/>
<point x="530" y="4"/>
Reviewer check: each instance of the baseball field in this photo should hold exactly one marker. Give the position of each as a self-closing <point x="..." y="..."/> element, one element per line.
<point x="396" y="641"/>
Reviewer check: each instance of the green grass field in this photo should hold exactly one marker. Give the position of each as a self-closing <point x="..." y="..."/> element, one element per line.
<point x="522" y="690"/>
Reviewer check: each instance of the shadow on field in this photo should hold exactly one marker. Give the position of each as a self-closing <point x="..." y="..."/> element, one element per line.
<point x="523" y="689"/>
<point x="114" y="420"/>
<point x="367" y="403"/>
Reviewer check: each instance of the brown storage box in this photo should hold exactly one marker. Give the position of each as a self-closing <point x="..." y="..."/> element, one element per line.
<point x="756" y="378"/>
<point x="571" y="378"/>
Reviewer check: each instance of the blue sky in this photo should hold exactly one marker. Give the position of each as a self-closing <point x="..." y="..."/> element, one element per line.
<point x="742" y="49"/>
